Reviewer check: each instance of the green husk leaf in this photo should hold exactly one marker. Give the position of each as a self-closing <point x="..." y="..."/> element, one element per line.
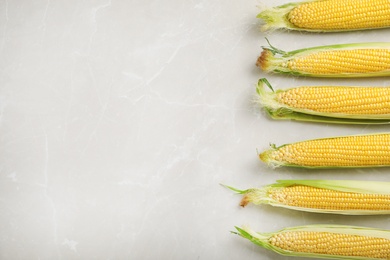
<point x="282" y="115"/>
<point x="343" y="46"/>
<point x="365" y="187"/>
<point x="260" y="239"/>
<point x="235" y="189"/>
<point x="263" y="239"/>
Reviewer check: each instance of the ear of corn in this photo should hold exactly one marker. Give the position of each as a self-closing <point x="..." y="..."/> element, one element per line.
<point x="371" y="150"/>
<point x="329" y="104"/>
<point x="323" y="196"/>
<point x="324" y="241"/>
<point x="338" y="61"/>
<point x="328" y="15"/>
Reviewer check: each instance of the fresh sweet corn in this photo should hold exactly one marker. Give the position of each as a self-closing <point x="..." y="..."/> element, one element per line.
<point x="328" y="15"/>
<point x="323" y="196"/>
<point x="330" y="104"/>
<point x="343" y="60"/>
<point x="371" y="150"/>
<point x="324" y="241"/>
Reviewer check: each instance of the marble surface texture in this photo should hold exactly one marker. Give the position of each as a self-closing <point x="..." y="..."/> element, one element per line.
<point x="120" y="119"/>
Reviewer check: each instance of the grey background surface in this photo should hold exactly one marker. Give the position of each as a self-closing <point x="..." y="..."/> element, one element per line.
<point x="119" y="120"/>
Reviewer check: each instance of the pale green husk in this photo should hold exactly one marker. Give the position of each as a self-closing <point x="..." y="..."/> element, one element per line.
<point x="279" y="111"/>
<point x="277" y="18"/>
<point x="262" y="239"/>
<point x="366" y="187"/>
<point x="277" y="59"/>
<point x="266" y="156"/>
<point x="261" y="195"/>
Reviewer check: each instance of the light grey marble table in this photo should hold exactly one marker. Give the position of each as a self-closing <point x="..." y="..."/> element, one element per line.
<point x="120" y="119"/>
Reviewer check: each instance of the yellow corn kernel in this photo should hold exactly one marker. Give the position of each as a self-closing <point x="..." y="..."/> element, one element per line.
<point x="348" y="151"/>
<point x="328" y="15"/>
<point x="324" y="241"/>
<point x="344" y="60"/>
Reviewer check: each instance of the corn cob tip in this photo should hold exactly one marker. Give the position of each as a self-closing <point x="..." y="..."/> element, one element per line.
<point x="264" y="156"/>
<point x="263" y="61"/>
<point x="248" y="195"/>
<point x="275" y="17"/>
<point x="256" y="196"/>
<point x="268" y="157"/>
<point x="245" y="201"/>
<point x="266" y="99"/>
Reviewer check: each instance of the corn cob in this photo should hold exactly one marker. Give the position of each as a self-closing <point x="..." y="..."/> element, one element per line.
<point x="328" y="15"/>
<point x="324" y="241"/>
<point x="329" y="104"/>
<point x="343" y="60"/>
<point x="347" y="151"/>
<point x="323" y="196"/>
